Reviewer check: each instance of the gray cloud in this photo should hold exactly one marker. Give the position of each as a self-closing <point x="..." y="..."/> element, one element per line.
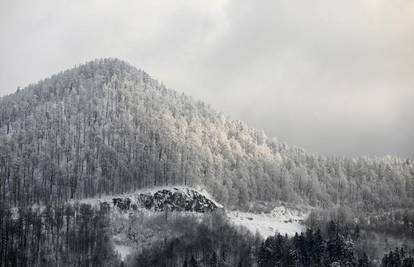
<point x="330" y="76"/>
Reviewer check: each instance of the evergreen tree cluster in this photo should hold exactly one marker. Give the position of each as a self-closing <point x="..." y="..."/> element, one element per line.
<point x="309" y="249"/>
<point x="397" y="258"/>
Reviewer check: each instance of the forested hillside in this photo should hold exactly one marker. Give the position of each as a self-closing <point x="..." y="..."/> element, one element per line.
<point x="106" y="127"/>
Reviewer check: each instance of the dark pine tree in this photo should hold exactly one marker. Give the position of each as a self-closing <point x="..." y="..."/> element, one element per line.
<point x="193" y="262"/>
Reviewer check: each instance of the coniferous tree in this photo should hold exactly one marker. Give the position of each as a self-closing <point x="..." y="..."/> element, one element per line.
<point x="363" y="261"/>
<point x="193" y="262"/>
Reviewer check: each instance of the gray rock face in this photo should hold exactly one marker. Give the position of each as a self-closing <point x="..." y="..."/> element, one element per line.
<point x="174" y="199"/>
<point x="122" y="203"/>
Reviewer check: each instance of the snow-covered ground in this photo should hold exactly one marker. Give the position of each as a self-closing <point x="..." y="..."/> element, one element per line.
<point x="281" y="220"/>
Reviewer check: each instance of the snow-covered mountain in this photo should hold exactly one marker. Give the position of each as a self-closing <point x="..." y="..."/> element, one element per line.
<point x="101" y="165"/>
<point x="105" y="127"/>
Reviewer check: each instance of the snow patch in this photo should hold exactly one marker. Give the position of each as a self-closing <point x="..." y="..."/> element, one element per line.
<point x="287" y="214"/>
<point x="122" y="250"/>
<point x="122" y="246"/>
<point x="281" y="220"/>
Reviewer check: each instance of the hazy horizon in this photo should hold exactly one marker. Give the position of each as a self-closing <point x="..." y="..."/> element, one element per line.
<point x="331" y="77"/>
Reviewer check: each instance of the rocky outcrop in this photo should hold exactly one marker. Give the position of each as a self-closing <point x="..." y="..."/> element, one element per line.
<point x="172" y="199"/>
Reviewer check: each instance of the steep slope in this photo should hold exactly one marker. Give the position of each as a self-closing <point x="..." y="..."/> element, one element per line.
<point x="107" y="127"/>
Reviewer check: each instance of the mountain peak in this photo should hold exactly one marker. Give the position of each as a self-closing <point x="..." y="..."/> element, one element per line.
<point x="114" y="65"/>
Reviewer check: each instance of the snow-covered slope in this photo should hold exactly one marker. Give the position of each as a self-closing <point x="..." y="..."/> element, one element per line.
<point x="281" y="220"/>
<point x="185" y="201"/>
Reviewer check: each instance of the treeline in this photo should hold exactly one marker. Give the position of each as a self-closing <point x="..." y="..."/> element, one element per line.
<point x="309" y="249"/>
<point x="69" y="235"/>
<point x="106" y="127"/>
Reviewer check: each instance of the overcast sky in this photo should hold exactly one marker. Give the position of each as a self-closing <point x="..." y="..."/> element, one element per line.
<point x="335" y="77"/>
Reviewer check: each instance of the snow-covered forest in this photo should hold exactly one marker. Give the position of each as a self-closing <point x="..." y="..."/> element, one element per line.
<point x="100" y="165"/>
<point x="217" y="133"/>
<point x="106" y="127"/>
